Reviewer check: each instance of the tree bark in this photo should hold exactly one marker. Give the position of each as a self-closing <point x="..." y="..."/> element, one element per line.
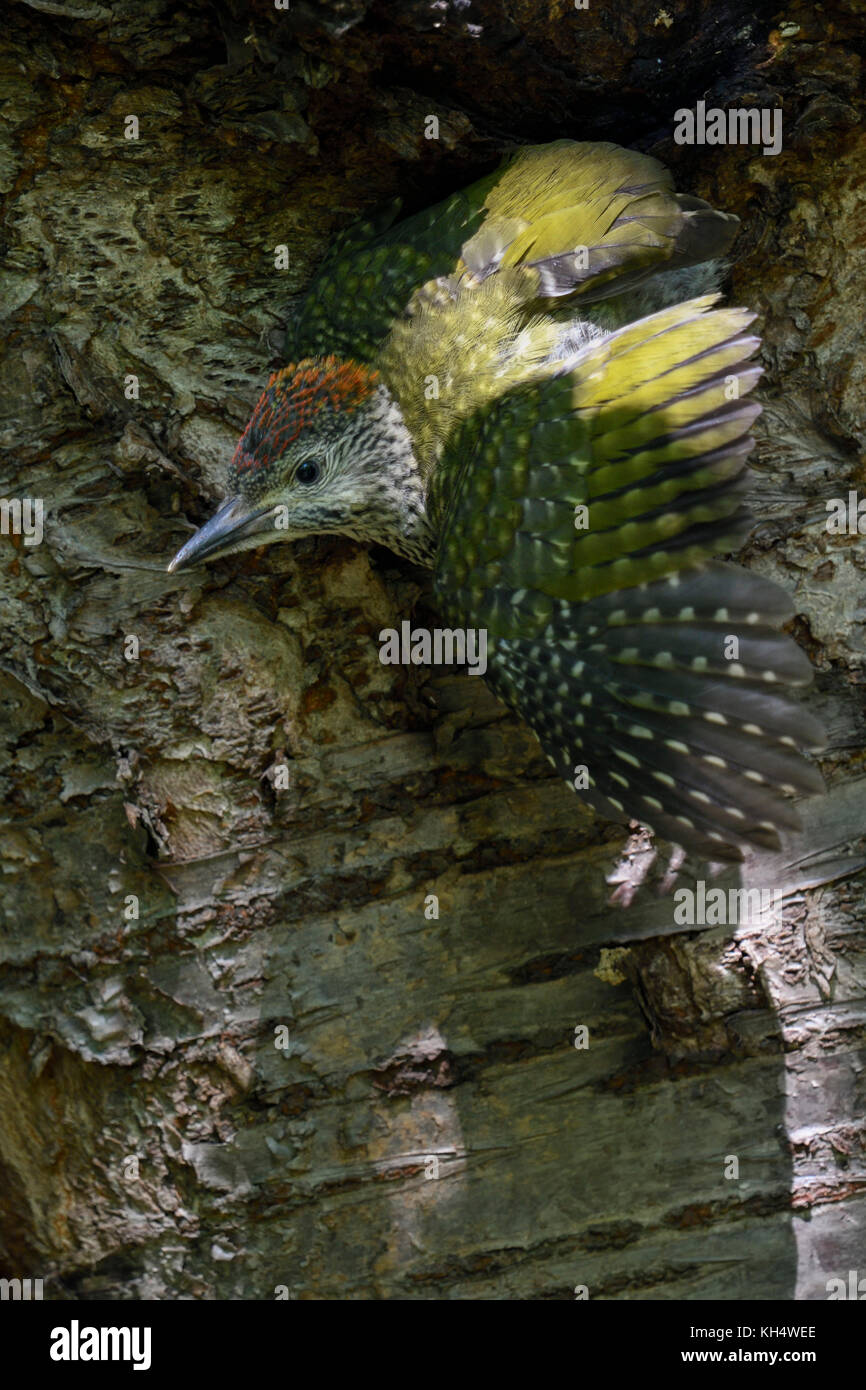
<point x="242" y="1057"/>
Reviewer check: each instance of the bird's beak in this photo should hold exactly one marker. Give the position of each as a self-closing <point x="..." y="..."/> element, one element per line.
<point x="236" y="526"/>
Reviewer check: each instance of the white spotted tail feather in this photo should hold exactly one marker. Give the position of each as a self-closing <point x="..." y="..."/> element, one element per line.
<point x="629" y="649"/>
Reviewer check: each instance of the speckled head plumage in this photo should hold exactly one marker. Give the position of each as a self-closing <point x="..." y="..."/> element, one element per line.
<point x="307" y="401"/>
<point x="325" y="451"/>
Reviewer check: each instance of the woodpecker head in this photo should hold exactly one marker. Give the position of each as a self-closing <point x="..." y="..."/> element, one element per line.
<point x="326" y="450"/>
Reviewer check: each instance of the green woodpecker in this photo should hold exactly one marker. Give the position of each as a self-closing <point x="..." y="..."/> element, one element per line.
<point x="515" y="389"/>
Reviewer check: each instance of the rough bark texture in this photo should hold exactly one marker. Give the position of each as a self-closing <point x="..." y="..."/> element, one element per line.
<point x="157" y="1140"/>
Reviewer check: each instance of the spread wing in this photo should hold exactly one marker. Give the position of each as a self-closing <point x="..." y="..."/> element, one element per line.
<point x="579" y="518"/>
<point x="590" y="219"/>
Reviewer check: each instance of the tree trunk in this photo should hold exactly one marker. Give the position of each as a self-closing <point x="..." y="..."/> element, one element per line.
<point x="243" y="1057"/>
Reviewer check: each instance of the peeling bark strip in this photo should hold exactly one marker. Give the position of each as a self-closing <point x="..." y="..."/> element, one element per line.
<point x="312" y="985"/>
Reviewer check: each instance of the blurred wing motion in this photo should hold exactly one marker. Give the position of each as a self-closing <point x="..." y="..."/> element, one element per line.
<point x="579" y="519"/>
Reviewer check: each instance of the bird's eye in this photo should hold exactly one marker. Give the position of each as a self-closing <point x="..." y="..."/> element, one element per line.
<point x="307" y="472"/>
